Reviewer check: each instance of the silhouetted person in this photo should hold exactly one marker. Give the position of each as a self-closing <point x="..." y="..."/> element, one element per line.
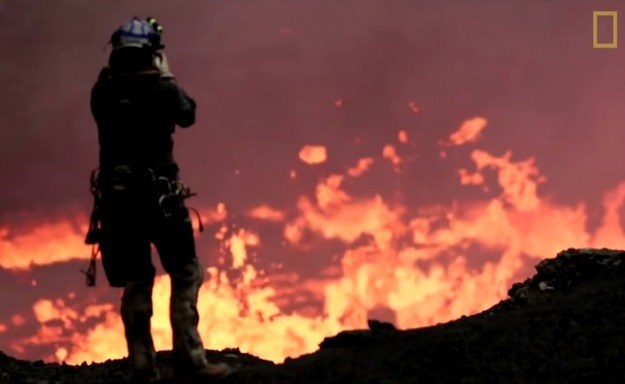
<point x="140" y="200"/>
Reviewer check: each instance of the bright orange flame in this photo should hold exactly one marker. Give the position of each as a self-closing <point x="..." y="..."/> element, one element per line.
<point x="467" y="178"/>
<point x="389" y="152"/>
<point x="518" y="180"/>
<point x="329" y="192"/>
<point x="469" y="131"/>
<point x="45" y="244"/>
<point x="402" y="136"/>
<point x="416" y="263"/>
<point x="46" y="310"/>
<point x="233" y="312"/>
<point x="313" y="154"/>
<point x="361" y="168"/>
<point x="237" y="245"/>
<point x="293" y="232"/>
<point x="61" y="354"/>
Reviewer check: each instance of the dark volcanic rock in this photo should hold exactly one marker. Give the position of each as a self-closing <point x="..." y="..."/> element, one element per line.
<point x="564" y="325"/>
<point x="568" y="269"/>
<point x="376" y="325"/>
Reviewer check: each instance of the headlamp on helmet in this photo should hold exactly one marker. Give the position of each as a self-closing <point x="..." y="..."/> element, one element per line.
<point x="138" y="33"/>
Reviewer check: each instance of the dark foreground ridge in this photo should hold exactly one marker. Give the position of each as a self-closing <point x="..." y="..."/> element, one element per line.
<point x="564" y="325"/>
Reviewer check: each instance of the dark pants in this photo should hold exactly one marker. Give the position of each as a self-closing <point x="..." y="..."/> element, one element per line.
<point x="132" y="220"/>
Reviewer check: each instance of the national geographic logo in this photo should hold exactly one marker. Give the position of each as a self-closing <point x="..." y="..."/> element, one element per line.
<point x="606" y="17"/>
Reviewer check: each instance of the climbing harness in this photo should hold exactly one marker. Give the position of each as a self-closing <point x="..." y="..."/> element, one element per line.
<point x="170" y="194"/>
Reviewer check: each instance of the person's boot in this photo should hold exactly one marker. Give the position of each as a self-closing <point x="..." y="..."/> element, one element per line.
<point x="214" y="370"/>
<point x="210" y="371"/>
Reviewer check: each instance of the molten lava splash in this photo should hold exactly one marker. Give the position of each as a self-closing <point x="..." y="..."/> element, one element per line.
<point x="389" y="152"/>
<point x="361" y="168"/>
<point x="415" y="262"/>
<point x="469" y="131"/>
<point x="402" y="137"/>
<point x="313" y="154"/>
<point x="46" y="244"/>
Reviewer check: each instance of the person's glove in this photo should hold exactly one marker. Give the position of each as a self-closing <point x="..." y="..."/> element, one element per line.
<point x="162" y="64"/>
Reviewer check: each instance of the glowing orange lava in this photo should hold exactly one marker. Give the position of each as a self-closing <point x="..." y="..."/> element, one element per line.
<point x="313" y="154"/>
<point x="389" y="152"/>
<point x="469" y="131"/>
<point x="361" y="168"/>
<point x="402" y="136"/>
<point x="46" y="243"/>
<point x="414" y="261"/>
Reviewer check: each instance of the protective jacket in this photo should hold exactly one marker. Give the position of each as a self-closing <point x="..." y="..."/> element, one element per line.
<point x="136" y="114"/>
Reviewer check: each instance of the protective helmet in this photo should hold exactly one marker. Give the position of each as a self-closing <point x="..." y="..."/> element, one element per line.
<point x="138" y="33"/>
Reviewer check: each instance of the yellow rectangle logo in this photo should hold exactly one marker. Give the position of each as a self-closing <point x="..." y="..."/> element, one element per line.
<point x="595" y="29"/>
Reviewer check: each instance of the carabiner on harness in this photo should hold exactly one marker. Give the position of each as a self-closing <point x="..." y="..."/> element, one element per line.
<point x="171" y="195"/>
